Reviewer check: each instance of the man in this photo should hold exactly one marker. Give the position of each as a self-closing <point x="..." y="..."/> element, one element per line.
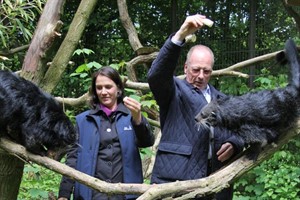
<point x="186" y="151"/>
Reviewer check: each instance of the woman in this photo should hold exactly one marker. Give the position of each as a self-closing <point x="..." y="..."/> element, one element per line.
<point x="109" y="136"/>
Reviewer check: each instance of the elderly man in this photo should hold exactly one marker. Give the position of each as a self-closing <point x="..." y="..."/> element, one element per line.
<point x="186" y="151"/>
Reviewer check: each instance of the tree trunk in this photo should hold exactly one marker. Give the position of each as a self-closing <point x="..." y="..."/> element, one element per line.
<point x="11" y="171"/>
<point x="36" y="59"/>
<point x="35" y="68"/>
<point x="68" y="46"/>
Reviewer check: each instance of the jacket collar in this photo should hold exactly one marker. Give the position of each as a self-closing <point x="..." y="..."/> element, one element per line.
<point x="120" y="109"/>
<point x="215" y="94"/>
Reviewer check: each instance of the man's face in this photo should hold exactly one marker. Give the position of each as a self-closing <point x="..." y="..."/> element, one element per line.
<point x="198" y="68"/>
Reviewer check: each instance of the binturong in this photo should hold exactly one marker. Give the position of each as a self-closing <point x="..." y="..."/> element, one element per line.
<point x="259" y="118"/>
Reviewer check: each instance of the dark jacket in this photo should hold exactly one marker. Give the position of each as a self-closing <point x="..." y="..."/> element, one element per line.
<point x="85" y="158"/>
<point x="183" y="149"/>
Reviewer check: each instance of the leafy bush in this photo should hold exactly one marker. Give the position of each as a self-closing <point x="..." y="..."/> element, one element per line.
<point x="37" y="182"/>
<point x="277" y="178"/>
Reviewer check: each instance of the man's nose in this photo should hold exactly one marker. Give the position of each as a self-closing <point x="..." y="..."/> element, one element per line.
<point x="201" y="73"/>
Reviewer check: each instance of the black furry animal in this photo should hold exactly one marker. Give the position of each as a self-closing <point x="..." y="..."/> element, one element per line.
<point x="32" y="117"/>
<point x="259" y="117"/>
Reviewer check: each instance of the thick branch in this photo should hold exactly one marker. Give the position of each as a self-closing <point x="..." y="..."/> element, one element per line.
<point x="101" y="186"/>
<point x="128" y="25"/>
<point x="44" y="36"/>
<point x="219" y="180"/>
<point x="141" y="59"/>
<point x="185" y="189"/>
<point x="74" y="102"/>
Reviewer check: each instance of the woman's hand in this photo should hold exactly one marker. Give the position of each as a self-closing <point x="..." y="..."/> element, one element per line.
<point x="135" y="108"/>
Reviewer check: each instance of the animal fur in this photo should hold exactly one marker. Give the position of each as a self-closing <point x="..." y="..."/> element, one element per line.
<point x="32" y="117"/>
<point x="259" y="117"/>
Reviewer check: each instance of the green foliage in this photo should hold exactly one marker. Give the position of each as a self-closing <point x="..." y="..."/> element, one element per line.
<point x="37" y="182"/>
<point x="232" y="85"/>
<point x="146" y="100"/>
<point x="268" y="81"/>
<point x="277" y="178"/>
<point x="18" y="20"/>
<point x="76" y="81"/>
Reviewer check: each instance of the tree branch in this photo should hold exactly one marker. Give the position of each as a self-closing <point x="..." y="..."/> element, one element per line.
<point x="220" y="179"/>
<point x="128" y="25"/>
<point x="102" y="186"/>
<point x="14" y="50"/>
<point x="74" y="102"/>
<point x="229" y="70"/>
<point x="178" y="190"/>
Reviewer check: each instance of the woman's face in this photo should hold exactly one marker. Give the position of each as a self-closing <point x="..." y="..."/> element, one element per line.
<point x="107" y="91"/>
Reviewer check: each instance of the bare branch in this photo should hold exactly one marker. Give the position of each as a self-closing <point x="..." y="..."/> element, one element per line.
<point x="81" y="101"/>
<point x="252" y="61"/>
<point x="128" y="25"/>
<point x="137" y="85"/>
<point x="178" y="190"/>
<point x="15" y="50"/>
<point x="102" y="186"/>
<point x="220" y="179"/>
<point x="147" y="58"/>
<point x="74" y="102"/>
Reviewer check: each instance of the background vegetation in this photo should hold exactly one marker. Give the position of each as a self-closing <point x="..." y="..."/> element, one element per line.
<point x="105" y="42"/>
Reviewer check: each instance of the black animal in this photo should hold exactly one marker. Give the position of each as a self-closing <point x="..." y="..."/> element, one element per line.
<point x="33" y="118"/>
<point x="259" y="117"/>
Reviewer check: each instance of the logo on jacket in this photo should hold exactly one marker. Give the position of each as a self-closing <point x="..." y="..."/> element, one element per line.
<point x="127" y="128"/>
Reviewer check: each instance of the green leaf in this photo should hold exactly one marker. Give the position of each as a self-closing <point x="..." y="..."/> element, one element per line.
<point x="84" y="75"/>
<point x="87" y="51"/>
<point x="148" y="103"/>
<point x="82" y="68"/>
<point x="35" y="193"/>
<point x="93" y="64"/>
<point x="115" y="66"/>
<point x="138" y="98"/>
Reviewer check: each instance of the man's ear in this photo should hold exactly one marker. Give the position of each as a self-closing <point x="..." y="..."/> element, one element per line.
<point x="185" y="68"/>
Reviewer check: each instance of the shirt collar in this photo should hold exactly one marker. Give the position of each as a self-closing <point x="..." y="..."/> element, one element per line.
<point x="206" y="90"/>
<point x="121" y="108"/>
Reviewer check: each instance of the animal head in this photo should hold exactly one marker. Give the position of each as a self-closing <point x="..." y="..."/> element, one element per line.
<point x="49" y="131"/>
<point x="208" y="115"/>
<point x="62" y="136"/>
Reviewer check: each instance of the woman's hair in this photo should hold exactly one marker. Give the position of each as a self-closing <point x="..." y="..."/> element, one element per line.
<point x="110" y="73"/>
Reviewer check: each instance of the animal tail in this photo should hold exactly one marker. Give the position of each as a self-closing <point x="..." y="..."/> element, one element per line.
<point x="290" y="55"/>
